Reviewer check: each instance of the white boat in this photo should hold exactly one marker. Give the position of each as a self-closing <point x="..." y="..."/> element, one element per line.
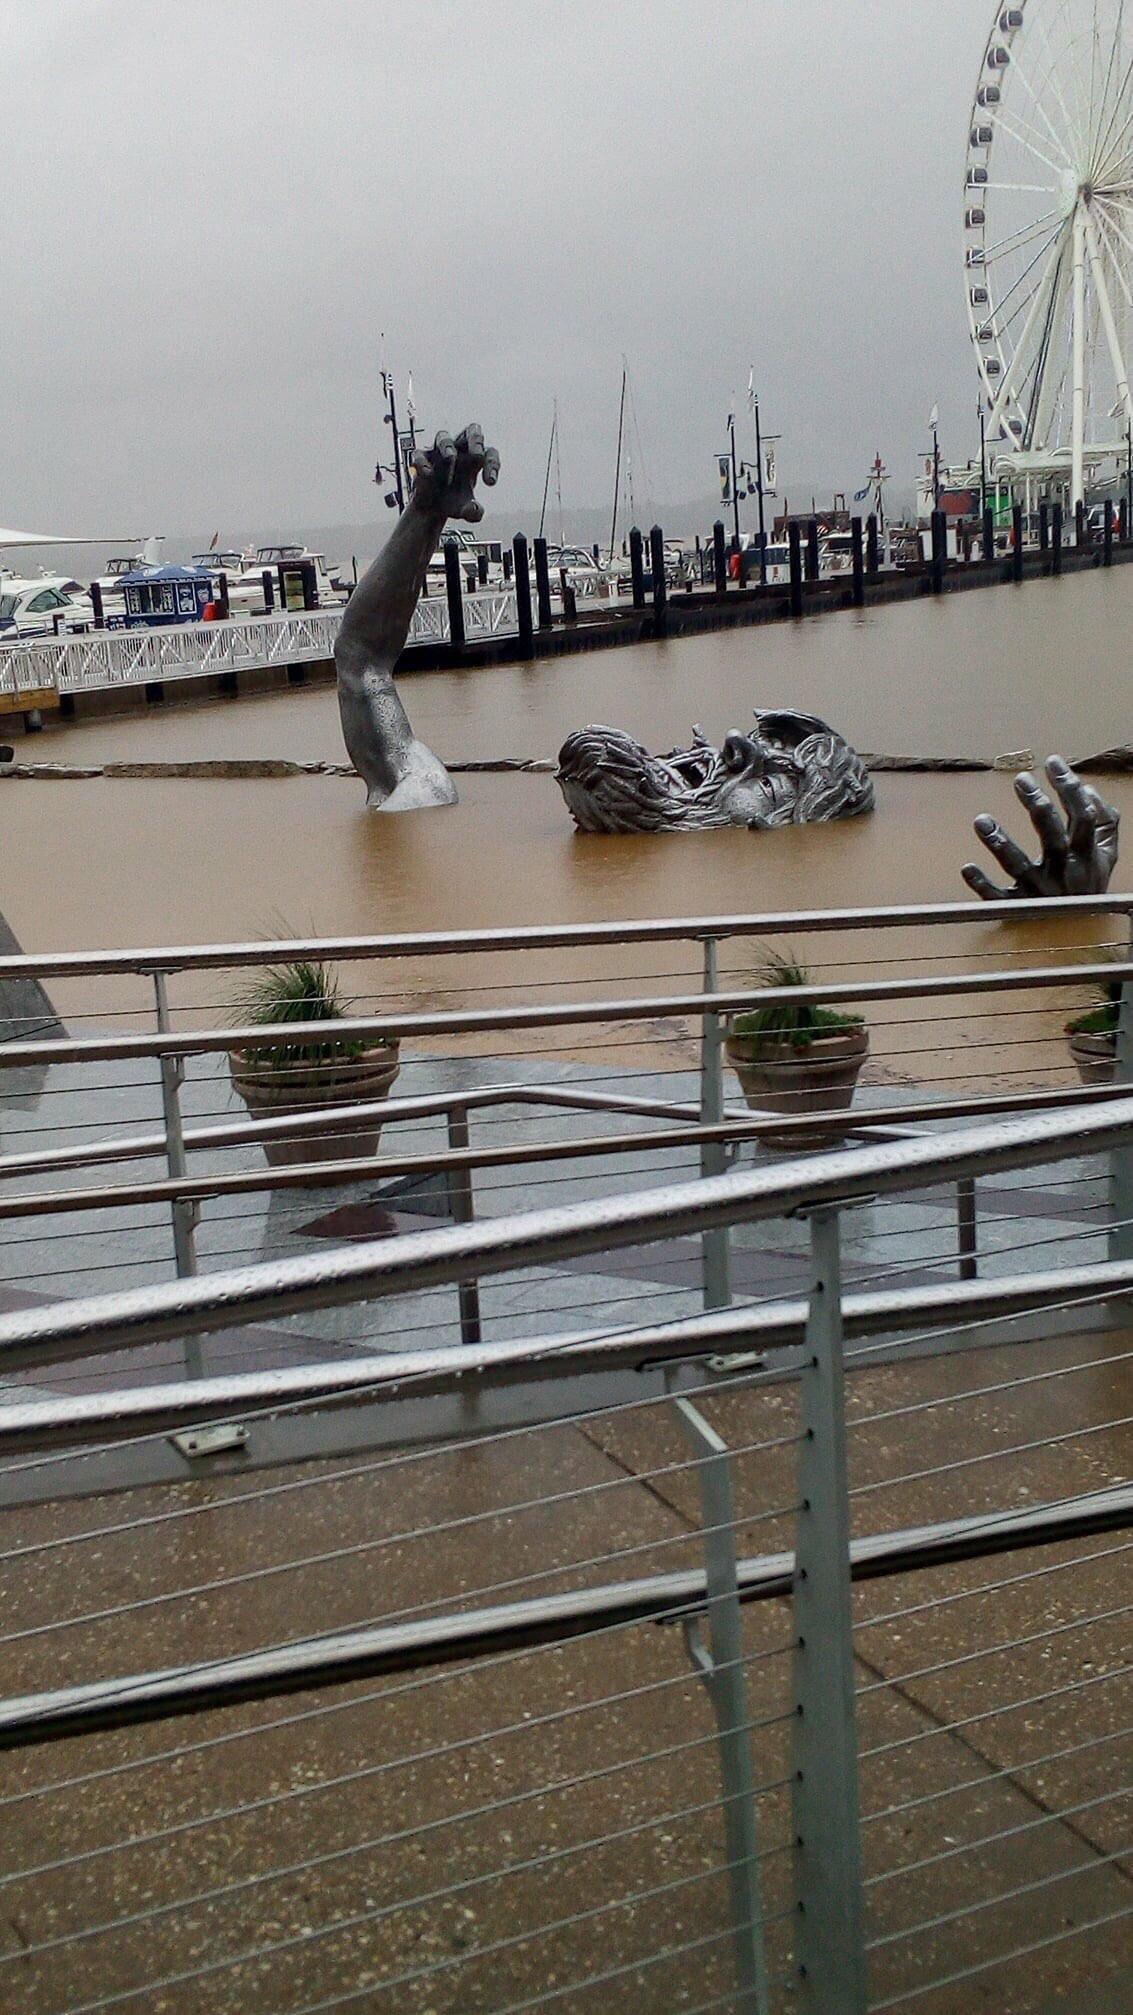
<point x="50" y="605"/>
<point x="262" y="560"/>
<point x="471" y="551"/>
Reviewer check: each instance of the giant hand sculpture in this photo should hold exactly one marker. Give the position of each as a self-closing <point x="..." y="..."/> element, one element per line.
<point x="1079" y="852"/>
<point x="400" y="773"/>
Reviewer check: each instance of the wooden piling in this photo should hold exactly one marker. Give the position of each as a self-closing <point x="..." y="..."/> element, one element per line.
<point x="636" y="569"/>
<point x="794" y="545"/>
<point x="657" y="568"/>
<point x="543" y="585"/>
<point x="454" y="593"/>
<point x="523" y="596"/>
<point x="857" y="570"/>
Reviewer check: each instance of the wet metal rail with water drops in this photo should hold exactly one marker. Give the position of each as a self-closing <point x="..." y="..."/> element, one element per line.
<point x="481" y="1617"/>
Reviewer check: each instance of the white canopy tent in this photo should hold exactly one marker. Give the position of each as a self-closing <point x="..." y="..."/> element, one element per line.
<point x="10" y="538"/>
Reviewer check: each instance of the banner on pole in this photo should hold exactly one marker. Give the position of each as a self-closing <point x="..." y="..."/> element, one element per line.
<point x="770" y="469"/>
<point x="725" y="462"/>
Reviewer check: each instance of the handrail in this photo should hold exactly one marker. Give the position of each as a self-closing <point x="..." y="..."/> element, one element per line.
<point x="556" y="1014"/>
<point x="197" y="1305"/>
<point x="532" y="937"/>
<point x="133" y="1699"/>
<point x="423" y="1373"/>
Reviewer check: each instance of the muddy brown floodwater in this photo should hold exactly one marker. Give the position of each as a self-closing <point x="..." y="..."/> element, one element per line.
<point x="115" y="862"/>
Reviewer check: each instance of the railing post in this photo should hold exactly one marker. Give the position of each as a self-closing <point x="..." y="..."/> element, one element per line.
<point x="183" y="1210"/>
<point x="813" y="567"/>
<point x="462" y="1208"/>
<point x="716" y="1258"/>
<point x="967" y="1243"/>
<point x="1044" y="531"/>
<point x="830" y="1952"/>
<point x="720" y="1665"/>
<point x="872" y="550"/>
<point x="988" y="535"/>
<point x="1120" y="1238"/>
<point x="1107" y="534"/>
<point x="1017" y="542"/>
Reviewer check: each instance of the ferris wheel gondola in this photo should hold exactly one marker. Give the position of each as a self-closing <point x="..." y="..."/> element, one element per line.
<point x="1048" y="238"/>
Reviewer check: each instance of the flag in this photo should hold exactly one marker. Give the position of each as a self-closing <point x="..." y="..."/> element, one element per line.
<point x="410" y="407"/>
<point x="751" y="387"/>
<point x="725" y="463"/>
<point x="861" y="495"/>
<point x="934" y="417"/>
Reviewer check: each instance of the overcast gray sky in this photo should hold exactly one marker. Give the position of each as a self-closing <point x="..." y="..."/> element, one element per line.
<point x="213" y="207"/>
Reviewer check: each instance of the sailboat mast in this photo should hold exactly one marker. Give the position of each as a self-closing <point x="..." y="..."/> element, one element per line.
<point x="618" y="463"/>
<point x="547" y="477"/>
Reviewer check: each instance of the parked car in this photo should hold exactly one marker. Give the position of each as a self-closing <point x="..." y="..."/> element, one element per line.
<point x="42" y="608"/>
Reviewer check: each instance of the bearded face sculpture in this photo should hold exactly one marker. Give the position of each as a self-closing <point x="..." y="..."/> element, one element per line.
<point x="794" y="770"/>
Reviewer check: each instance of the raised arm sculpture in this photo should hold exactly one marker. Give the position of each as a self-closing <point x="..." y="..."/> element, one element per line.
<point x="400" y="773"/>
<point x="1078" y="844"/>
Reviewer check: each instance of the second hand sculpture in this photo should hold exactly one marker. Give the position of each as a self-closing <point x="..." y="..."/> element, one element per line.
<point x="1079" y="844"/>
<point x="400" y="773"/>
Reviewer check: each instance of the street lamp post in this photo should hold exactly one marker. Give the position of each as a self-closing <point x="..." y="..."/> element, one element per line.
<point x="735" y="480"/>
<point x="391" y="422"/>
<point x="759" y="492"/>
<point x="1129" y="477"/>
<point x="983" y="457"/>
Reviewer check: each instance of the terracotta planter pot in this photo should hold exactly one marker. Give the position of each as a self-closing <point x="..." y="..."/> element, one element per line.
<point x="274" y="1093"/>
<point x="783" y="1077"/>
<point x="1095" y="1056"/>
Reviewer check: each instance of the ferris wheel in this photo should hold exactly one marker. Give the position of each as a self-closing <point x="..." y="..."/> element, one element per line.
<point x="1048" y="238"/>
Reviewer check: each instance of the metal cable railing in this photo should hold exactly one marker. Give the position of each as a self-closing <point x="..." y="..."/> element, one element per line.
<point x="484" y="1707"/>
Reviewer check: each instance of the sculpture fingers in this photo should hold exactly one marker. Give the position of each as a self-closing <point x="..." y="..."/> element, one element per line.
<point x="982" y="886"/>
<point x="444" y="458"/>
<point x="1080" y="802"/>
<point x="1043" y="817"/>
<point x="491" y="470"/>
<point x="470" y="443"/>
<point x="1005" y="850"/>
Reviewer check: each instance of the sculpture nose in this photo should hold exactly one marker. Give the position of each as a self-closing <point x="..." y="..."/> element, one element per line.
<point x="740" y="753"/>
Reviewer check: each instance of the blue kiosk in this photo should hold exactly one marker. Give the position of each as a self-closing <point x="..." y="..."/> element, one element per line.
<point x="159" y="596"/>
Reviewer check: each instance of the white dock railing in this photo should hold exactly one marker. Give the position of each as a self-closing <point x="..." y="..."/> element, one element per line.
<point x="108" y="658"/>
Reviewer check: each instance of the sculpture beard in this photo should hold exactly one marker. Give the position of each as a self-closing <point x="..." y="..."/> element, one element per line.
<point x="794" y="770"/>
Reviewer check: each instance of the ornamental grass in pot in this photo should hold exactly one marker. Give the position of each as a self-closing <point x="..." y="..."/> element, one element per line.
<point x="1093" y="1036"/>
<point x="793" y="1057"/>
<point x="282" y="1078"/>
